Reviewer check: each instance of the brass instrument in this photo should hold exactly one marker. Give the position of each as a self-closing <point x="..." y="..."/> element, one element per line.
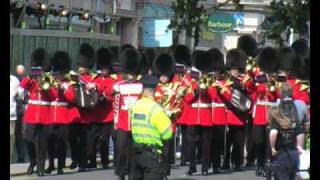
<point x="47" y="80"/>
<point x="205" y="81"/>
<point x="272" y="84"/>
<point x="251" y="65"/>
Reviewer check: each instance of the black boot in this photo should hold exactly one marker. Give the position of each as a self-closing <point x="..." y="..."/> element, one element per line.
<point x="60" y="171"/>
<point x="121" y="178"/>
<point x="50" y="169"/>
<point x="82" y="169"/>
<point x="225" y="166"/>
<point x="237" y="168"/>
<point x="30" y="169"/>
<point x="40" y="173"/>
<point x="73" y="165"/>
<point x="216" y="171"/>
<point x="190" y="172"/>
<point x="204" y="173"/>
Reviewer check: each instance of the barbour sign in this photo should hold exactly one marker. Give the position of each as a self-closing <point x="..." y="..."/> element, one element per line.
<point x="220" y="22"/>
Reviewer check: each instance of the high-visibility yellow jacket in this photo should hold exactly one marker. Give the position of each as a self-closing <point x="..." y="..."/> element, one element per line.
<point x="149" y="123"/>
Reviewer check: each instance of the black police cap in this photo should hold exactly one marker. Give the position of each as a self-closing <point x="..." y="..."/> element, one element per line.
<point x="149" y="81"/>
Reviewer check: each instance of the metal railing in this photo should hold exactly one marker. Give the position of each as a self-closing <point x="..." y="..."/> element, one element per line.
<point x="251" y="2"/>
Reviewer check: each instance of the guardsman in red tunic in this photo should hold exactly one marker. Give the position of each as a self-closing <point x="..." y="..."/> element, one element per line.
<point x="127" y="91"/>
<point x="218" y="110"/>
<point x="249" y="45"/>
<point x="78" y="130"/>
<point x="102" y="125"/>
<point x="37" y="113"/>
<point x="236" y="62"/>
<point x="182" y="57"/>
<point x="266" y="95"/>
<point x="62" y="93"/>
<point x="200" y="122"/>
<point x="166" y="94"/>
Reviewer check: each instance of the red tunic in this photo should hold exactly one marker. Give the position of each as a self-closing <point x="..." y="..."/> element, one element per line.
<point x="299" y="90"/>
<point x="219" y="113"/>
<point x="38" y="107"/>
<point x="60" y="107"/>
<point x="234" y="118"/>
<point x="127" y="94"/>
<point x="104" y="109"/>
<point x="263" y="100"/>
<point x="87" y="115"/>
<point x="183" y="118"/>
<point x="200" y="111"/>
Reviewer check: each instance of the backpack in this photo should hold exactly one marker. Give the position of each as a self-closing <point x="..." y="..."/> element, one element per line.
<point x="86" y="99"/>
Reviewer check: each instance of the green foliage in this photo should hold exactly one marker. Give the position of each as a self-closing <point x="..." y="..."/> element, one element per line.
<point x="189" y="16"/>
<point x="285" y="15"/>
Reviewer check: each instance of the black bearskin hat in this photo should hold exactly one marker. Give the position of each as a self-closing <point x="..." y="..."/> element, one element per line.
<point x="248" y="44"/>
<point x="150" y="54"/>
<point x="268" y="59"/>
<point x="144" y="65"/>
<point x="115" y="53"/>
<point x="236" y="59"/>
<point x="202" y="61"/>
<point x="61" y="62"/>
<point x="104" y="56"/>
<point x="39" y="57"/>
<point x="164" y="65"/>
<point x="86" y="56"/>
<point x="301" y="47"/>
<point x="181" y="54"/>
<point x="126" y="46"/>
<point x="287" y="58"/>
<point x="130" y="60"/>
<point x="217" y="57"/>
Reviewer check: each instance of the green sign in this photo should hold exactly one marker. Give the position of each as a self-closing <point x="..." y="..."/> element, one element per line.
<point x="220" y="22"/>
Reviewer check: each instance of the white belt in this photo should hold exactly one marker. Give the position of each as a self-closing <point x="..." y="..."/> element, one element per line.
<point x="55" y="103"/>
<point x="201" y="105"/>
<point x="35" y="102"/>
<point x="218" y="105"/>
<point x="267" y="103"/>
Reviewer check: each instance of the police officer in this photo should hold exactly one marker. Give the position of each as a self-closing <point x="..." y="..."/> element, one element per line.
<point x="150" y="127"/>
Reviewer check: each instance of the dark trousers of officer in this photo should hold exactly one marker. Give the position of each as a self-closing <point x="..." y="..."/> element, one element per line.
<point x="123" y="143"/>
<point x="36" y="136"/>
<point x="250" y="145"/>
<point x="57" y="144"/>
<point x="20" y="147"/>
<point x="217" y="145"/>
<point x="78" y="143"/>
<point x="235" y="139"/>
<point x="167" y="155"/>
<point x="259" y="134"/>
<point x="203" y="135"/>
<point x="98" y="139"/>
<point x="184" y="145"/>
<point x="145" y="164"/>
<point x="286" y="165"/>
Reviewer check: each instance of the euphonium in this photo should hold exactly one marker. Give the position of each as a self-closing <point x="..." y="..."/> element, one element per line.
<point x="46" y="81"/>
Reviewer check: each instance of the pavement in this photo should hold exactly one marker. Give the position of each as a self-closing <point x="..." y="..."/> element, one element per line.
<point x="18" y="172"/>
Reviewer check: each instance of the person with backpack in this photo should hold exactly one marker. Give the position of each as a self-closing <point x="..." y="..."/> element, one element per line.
<point x="284" y="128"/>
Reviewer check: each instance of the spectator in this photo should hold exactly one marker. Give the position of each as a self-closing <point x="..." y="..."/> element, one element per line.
<point x="21" y="105"/>
<point x="14" y="93"/>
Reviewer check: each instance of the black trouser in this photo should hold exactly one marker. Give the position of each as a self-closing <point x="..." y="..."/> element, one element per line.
<point x="19" y="139"/>
<point x="57" y="143"/>
<point x="123" y="143"/>
<point x="235" y="139"/>
<point x="217" y="145"/>
<point x="167" y="155"/>
<point x="78" y="143"/>
<point x="286" y="165"/>
<point x="99" y="136"/>
<point x="145" y="164"/>
<point x="203" y="135"/>
<point x="184" y="145"/>
<point x="250" y="145"/>
<point x="259" y="134"/>
<point x="36" y="136"/>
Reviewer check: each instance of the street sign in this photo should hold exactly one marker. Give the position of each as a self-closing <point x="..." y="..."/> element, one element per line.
<point x="220" y="22"/>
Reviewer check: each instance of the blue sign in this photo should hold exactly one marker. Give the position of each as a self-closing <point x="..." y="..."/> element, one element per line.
<point x="156" y="33"/>
<point x="238" y="16"/>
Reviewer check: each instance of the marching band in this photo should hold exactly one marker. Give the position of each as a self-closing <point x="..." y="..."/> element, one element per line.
<point x="212" y="103"/>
